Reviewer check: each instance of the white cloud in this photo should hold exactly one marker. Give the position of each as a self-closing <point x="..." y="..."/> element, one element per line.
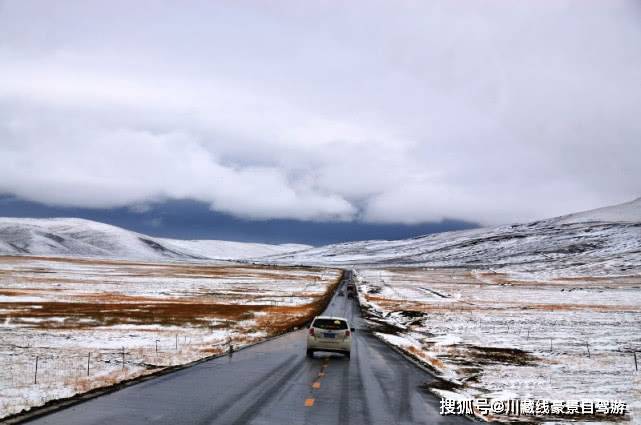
<point x="388" y="112"/>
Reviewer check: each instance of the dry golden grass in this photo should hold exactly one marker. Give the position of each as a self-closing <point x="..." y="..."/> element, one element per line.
<point x="142" y="311"/>
<point x="131" y="268"/>
<point x="463" y="307"/>
<point x="100" y="305"/>
<point x="421" y="355"/>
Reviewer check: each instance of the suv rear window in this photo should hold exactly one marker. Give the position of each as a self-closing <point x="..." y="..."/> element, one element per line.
<point x="330" y="324"/>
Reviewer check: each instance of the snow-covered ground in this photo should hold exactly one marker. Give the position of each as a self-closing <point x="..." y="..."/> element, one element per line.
<point x="602" y="242"/>
<point x="71" y="312"/>
<point x="86" y="238"/>
<point x="514" y="336"/>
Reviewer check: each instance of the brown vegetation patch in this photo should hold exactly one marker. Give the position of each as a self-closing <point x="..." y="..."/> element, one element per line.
<point x="129" y="268"/>
<point x="71" y="260"/>
<point x="465" y="307"/>
<point x="476" y="355"/>
<point x="110" y="309"/>
<point x="421" y="307"/>
<point x="111" y="298"/>
<point x="431" y="361"/>
<point x="30" y="279"/>
<point x="632" y="279"/>
<point x="82" y="315"/>
<point x="604" y="308"/>
<point x="211" y="350"/>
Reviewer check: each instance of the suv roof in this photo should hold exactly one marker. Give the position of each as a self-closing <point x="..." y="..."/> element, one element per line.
<point x="331" y="318"/>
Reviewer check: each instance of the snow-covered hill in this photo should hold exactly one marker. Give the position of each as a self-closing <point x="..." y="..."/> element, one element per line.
<point x="629" y="212"/>
<point x="85" y="238"/>
<point x="602" y="241"/>
<point x="229" y="250"/>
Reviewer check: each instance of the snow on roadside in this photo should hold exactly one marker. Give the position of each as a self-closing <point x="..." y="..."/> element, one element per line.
<point x="491" y="335"/>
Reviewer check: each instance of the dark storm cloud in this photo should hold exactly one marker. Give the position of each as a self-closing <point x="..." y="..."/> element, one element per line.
<point x="194" y="220"/>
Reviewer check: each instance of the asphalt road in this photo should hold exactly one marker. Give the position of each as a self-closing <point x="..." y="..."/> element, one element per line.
<point x="275" y="383"/>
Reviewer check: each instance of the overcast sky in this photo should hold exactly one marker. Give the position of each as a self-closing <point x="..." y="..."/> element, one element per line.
<point x="378" y="112"/>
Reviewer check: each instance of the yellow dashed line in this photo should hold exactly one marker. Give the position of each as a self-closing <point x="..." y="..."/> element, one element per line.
<point x="316" y="385"/>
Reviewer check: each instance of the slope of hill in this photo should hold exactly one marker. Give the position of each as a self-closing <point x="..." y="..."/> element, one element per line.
<point x="628" y="212"/>
<point x="229" y="250"/>
<point x="85" y="238"/>
<point x="602" y="241"/>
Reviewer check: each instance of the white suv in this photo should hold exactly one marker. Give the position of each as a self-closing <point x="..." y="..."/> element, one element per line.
<point x="331" y="334"/>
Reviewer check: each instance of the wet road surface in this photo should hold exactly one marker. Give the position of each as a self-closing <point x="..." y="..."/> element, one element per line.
<point x="275" y="383"/>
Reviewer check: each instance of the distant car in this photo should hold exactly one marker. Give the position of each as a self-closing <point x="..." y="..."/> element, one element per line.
<point x="350" y="294"/>
<point x="331" y="334"/>
<point x="341" y="293"/>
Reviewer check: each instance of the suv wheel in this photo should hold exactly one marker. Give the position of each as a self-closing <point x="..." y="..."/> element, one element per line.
<point x="310" y="353"/>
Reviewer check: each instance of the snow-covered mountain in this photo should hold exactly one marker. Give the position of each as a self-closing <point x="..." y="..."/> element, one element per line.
<point x="86" y="238"/>
<point x="602" y="241"/>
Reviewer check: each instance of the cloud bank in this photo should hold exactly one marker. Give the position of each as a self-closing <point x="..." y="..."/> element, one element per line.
<point x="381" y="112"/>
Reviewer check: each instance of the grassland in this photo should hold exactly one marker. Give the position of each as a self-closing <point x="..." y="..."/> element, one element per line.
<point x="92" y="323"/>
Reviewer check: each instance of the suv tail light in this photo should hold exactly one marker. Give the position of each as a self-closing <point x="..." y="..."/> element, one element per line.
<point x="311" y="331"/>
<point x="347" y="333"/>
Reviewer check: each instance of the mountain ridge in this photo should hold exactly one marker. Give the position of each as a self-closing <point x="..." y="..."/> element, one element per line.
<point x="82" y="237"/>
<point x="596" y="242"/>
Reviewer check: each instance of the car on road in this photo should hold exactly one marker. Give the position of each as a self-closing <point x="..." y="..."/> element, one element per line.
<point x="331" y="334"/>
<point x="341" y="293"/>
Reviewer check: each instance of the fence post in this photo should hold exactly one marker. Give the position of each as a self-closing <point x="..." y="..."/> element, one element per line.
<point x="123" y="358"/>
<point x="88" y="360"/>
<point x="587" y="345"/>
<point x="35" y="374"/>
<point x="636" y="365"/>
<point x="550" y="345"/>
